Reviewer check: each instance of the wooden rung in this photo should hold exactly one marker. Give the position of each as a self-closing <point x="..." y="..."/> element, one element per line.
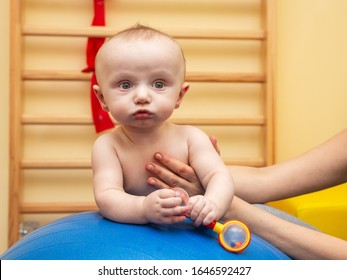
<point x="56" y="164"/>
<point x="94" y="31"/>
<point x="249" y="121"/>
<point x="61" y="75"/>
<point x="86" y="164"/>
<point x="87" y="120"/>
<point x="225" y="77"/>
<point x="36" y="208"/>
<point x="55" y="75"/>
<point x="56" y="120"/>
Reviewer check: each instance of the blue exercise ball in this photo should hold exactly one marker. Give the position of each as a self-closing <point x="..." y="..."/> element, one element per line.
<point x="89" y="236"/>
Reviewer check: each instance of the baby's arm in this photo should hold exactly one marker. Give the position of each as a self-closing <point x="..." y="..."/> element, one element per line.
<point x="117" y="205"/>
<point x="215" y="178"/>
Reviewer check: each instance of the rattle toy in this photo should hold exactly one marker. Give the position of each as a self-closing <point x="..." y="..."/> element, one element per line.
<point x="234" y="236"/>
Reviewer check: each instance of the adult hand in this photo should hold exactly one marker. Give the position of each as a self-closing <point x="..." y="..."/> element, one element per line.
<point x="174" y="173"/>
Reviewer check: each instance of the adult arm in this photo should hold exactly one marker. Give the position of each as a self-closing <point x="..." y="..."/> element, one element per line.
<point x="317" y="169"/>
<point x="322" y="167"/>
<point x="296" y="241"/>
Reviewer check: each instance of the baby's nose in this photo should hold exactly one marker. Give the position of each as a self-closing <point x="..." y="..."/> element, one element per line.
<point x="142" y="95"/>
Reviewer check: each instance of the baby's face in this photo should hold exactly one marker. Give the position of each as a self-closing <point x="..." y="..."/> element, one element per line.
<point x="141" y="80"/>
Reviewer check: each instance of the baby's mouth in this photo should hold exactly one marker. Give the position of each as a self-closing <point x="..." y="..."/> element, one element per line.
<point x="142" y="114"/>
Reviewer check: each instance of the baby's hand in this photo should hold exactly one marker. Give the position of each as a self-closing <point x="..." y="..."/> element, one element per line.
<point x="201" y="210"/>
<point x="164" y="207"/>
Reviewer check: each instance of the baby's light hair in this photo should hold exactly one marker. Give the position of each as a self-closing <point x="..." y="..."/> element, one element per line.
<point x="139" y="31"/>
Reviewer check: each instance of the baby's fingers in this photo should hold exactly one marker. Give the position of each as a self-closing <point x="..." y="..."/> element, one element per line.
<point x="195" y="206"/>
<point x="210" y="217"/>
<point x="171" y="202"/>
<point x="175" y="211"/>
<point x="172" y="206"/>
<point x="173" y="219"/>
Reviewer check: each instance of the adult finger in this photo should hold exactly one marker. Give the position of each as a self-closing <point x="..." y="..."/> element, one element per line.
<point x="167" y="178"/>
<point x="176" y="166"/>
<point x="156" y="183"/>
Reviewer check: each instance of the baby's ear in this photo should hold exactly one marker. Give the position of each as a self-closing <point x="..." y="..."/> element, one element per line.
<point x="100" y="97"/>
<point x="183" y="91"/>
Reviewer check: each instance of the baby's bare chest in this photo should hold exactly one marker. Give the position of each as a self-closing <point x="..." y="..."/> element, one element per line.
<point x="134" y="161"/>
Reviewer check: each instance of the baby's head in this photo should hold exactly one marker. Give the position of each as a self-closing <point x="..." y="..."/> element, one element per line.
<point x="129" y="41"/>
<point x="140" y="66"/>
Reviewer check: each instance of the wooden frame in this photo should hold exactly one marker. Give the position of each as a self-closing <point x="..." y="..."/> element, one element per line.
<point x="18" y="119"/>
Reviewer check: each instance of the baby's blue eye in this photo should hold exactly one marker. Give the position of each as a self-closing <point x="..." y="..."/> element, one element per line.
<point x="159" y="84"/>
<point x="125" y="85"/>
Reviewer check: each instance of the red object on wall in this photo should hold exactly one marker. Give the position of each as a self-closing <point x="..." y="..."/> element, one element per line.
<point x="101" y="119"/>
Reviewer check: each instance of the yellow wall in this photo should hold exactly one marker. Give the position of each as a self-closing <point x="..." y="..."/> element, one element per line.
<point x="311" y="84"/>
<point x="311" y="95"/>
